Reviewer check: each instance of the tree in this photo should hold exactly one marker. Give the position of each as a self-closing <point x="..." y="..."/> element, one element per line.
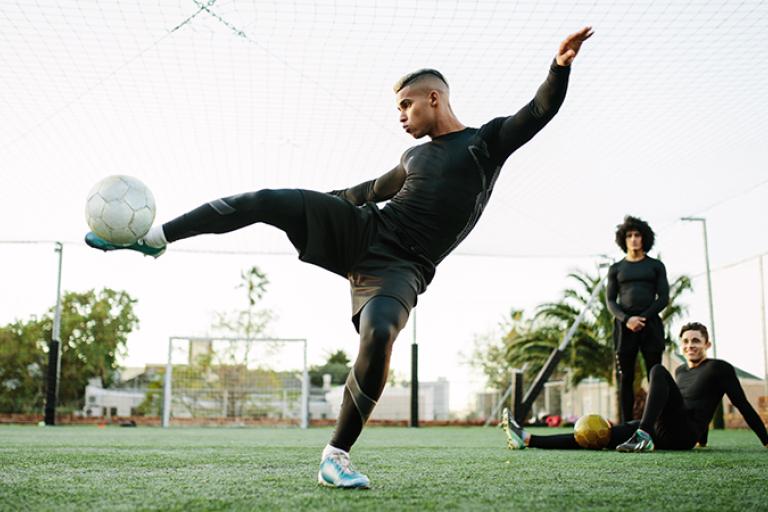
<point x="22" y="363"/>
<point x="94" y="332"/>
<point x="234" y="378"/>
<point x="337" y="366"/>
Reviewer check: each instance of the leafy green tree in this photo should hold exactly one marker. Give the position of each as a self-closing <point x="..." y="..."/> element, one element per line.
<point x="94" y="331"/>
<point x="337" y="365"/>
<point x="22" y="365"/>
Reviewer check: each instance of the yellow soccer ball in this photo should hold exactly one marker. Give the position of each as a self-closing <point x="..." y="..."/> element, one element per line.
<point x="592" y="431"/>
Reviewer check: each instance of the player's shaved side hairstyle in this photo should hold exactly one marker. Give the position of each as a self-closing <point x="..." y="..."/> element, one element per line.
<point x="418" y="76"/>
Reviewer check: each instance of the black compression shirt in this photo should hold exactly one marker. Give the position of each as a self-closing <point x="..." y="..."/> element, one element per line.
<point x="703" y="387"/>
<point x="637" y="288"/>
<point x="439" y="189"/>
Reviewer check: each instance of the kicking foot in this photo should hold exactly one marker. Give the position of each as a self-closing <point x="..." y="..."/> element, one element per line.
<point x="336" y="471"/>
<point x="639" y="442"/>
<point x="99" y="243"/>
<point x="514" y="432"/>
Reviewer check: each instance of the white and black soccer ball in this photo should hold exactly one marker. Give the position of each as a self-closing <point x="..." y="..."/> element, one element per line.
<point x="120" y="209"/>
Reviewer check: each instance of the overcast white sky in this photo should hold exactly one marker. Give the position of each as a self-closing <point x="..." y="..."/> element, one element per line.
<point x="665" y="117"/>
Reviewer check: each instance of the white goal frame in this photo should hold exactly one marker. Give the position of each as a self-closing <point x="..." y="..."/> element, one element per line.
<point x="168" y="380"/>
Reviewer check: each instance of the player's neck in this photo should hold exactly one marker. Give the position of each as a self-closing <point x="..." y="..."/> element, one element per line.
<point x="692" y="364"/>
<point x="448" y="124"/>
<point x="635" y="255"/>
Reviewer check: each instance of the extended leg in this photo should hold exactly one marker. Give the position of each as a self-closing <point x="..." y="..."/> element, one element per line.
<point x="283" y="209"/>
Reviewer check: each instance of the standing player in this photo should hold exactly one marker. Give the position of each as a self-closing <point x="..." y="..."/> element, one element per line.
<point x="636" y="292"/>
<point x="437" y="192"/>
<point x="676" y="414"/>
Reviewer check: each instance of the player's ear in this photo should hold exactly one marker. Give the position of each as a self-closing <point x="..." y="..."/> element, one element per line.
<point x="434" y="98"/>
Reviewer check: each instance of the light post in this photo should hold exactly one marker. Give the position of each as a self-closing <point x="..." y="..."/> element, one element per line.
<point x="762" y="319"/>
<point x="718" y="419"/>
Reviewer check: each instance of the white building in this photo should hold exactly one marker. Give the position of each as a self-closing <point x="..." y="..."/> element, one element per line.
<point x="395" y="402"/>
<point x="110" y="402"/>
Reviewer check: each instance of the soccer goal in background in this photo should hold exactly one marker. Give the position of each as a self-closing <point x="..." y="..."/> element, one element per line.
<point x="236" y="381"/>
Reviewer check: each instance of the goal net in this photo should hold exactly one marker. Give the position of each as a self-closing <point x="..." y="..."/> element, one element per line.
<point x="236" y="381"/>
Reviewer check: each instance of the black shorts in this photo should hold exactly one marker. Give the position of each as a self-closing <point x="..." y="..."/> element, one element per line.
<point x="649" y="339"/>
<point x="354" y="243"/>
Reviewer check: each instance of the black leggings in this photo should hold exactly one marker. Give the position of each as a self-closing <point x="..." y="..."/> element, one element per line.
<point x="381" y="319"/>
<point x="283" y="209"/>
<point x="619" y="434"/>
<point x="625" y="362"/>
<point x="664" y="417"/>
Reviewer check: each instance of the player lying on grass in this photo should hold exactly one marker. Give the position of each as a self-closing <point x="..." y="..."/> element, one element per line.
<point x="676" y="414"/>
<point x="436" y="194"/>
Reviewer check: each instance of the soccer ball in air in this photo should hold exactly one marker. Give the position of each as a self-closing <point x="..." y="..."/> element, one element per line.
<point x="592" y="431"/>
<point x="120" y="209"/>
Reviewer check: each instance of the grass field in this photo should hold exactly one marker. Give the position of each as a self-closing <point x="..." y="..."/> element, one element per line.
<point x="90" y="468"/>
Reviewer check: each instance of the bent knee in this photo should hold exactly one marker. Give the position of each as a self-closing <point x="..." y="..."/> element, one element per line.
<point x="657" y="371"/>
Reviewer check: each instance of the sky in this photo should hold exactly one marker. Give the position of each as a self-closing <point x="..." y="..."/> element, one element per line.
<point x="665" y="117"/>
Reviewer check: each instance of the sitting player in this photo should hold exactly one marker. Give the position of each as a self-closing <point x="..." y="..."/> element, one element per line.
<point x="676" y="414"/>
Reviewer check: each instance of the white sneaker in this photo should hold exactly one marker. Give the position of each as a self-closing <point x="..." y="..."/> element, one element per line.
<point x="336" y="471"/>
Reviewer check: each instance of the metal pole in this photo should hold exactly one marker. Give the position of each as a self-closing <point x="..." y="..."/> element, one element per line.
<point x="414" y="377"/>
<point x="712" y="336"/>
<point x="709" y="291"/>
<point x="305" y="391"/>
<point x="167" y="387"/>
<point x="762" y="318"/>
<point x="54" y="361"/>
<point x="718" y="420"/>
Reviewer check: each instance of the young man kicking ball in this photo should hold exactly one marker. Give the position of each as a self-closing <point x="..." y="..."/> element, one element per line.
<point x="436" y="194"/>
<point x="676" y="414"/>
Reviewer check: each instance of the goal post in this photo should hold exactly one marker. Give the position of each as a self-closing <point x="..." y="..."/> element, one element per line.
<point x="216" y="380"/>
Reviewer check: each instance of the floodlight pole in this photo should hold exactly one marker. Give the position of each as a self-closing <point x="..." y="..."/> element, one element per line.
<point x="54" y="362"/>
<point x="762" y="318"/>
<point x="718" y="420"/>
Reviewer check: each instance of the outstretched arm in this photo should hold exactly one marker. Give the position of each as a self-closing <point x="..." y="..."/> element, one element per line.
<point x="383" y="188"/>
<point x="518" y="129"/>
<point x="737" y="397"/>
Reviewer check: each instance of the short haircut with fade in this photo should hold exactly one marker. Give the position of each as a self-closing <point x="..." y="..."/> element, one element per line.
<point x="695" y="326"/>
<point x="418" y="75"/>
<point x="634" y="224"/>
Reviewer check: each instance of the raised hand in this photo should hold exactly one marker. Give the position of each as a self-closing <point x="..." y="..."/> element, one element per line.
<point x="570" y="47"/>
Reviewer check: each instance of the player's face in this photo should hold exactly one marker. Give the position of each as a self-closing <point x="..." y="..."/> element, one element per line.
<point x="694" y="346"/>
<point x="634" y="241"/>
<point x="417" y="113"/>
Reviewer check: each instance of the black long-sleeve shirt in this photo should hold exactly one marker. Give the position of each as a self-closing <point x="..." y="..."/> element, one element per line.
<point x="637" y="288"/>
<point x="439" y="189"/>
<point x="703" y="387"/>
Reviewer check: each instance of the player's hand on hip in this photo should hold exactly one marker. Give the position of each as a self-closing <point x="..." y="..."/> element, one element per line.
<point x="570" y="47"/>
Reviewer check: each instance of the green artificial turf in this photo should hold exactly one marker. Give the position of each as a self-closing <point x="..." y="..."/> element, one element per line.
<point x="442" y="468"/>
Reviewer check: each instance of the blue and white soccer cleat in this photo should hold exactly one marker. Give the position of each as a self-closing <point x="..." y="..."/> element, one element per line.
<point x="336" y="471"/>
<point x="640" y="441"/>
<point x="92" y="240"/>
<point x="514" y="432"/>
